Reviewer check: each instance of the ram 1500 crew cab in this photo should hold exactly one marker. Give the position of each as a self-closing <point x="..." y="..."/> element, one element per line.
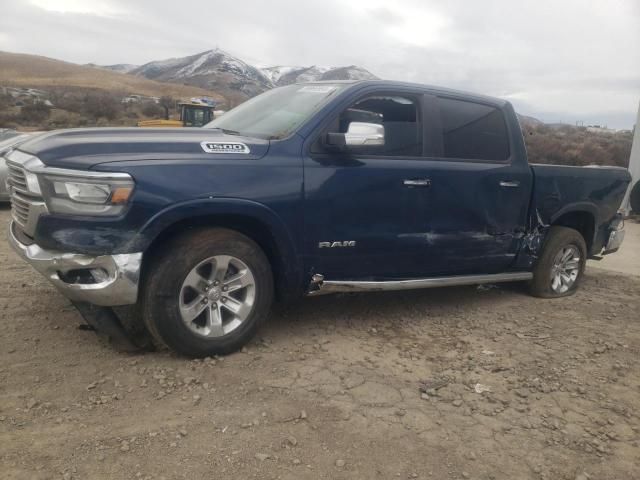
<point x="303" y="190"/>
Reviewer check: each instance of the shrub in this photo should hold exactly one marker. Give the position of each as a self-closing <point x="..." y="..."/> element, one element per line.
<point x="64" y="119"/>
<point x="569" y="145"/>
<point x="150" y="109"/>
<point x="168" y="104"/>
<point x="100" y="105"/>
<point x="34" y="113"/>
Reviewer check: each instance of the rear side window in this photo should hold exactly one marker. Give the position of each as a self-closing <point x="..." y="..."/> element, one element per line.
<point x="473" y="131"/>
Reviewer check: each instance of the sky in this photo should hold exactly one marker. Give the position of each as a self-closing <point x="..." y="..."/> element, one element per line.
<point x="562" y="60"/>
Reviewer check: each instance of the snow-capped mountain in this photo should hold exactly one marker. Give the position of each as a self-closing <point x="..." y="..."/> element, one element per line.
<point x="284" y="75"/>
<point x="276" y="73"/>
<point x="214" y="69"/>
<point x="235" y="79"/>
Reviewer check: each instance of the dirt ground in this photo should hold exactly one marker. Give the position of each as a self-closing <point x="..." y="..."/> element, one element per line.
<point x="517" y="388"/>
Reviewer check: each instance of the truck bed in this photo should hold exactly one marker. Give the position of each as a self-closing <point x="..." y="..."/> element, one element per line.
<point x="559" y="190"/>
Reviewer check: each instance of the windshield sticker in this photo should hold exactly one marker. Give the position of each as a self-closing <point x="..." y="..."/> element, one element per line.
<point x="225" y="147"/>
<point x="317" y="89"/>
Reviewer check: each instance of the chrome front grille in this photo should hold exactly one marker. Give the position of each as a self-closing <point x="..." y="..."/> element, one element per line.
<point x="20" y="207"/>
<point x="16" y="177"/>
<point x="26" y="207"/>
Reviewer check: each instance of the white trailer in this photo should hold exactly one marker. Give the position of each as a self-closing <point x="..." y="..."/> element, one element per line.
<point x="634" y="165"/>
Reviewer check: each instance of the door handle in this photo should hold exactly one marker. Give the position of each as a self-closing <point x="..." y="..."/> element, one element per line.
<point x="509" y="183"/>
<point x="417" y="182"/>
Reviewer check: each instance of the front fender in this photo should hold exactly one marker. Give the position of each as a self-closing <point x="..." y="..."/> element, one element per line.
<point x="194" y="210"/>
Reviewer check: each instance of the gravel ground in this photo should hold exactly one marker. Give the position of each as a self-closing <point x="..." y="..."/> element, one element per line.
<point x="513" y="388"/>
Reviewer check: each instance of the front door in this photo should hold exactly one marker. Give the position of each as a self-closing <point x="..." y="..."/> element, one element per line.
<point x="361" y="217"/>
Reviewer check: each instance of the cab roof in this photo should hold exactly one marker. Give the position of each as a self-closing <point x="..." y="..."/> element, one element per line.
<point x="429" y="89"/>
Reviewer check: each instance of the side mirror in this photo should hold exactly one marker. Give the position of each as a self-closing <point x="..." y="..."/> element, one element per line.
<point x="359" y="134"/>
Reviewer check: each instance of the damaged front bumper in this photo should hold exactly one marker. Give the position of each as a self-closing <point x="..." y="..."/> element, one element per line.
<point x="105" y="280"/>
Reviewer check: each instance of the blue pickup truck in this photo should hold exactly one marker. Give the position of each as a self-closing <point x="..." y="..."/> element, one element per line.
<point x="190" y="234"/>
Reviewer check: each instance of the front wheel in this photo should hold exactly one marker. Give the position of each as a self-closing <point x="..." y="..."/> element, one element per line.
<point x="561" y="264"/>
<point x="207" y="292"/>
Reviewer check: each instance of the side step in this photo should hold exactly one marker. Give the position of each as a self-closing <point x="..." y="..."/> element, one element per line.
<point x="319" y="286"/>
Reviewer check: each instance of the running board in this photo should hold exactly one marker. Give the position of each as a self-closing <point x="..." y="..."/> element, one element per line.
<point x="319" y="286"/>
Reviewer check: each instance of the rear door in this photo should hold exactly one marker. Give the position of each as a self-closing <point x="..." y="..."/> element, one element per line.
<point x="478" y="201"/>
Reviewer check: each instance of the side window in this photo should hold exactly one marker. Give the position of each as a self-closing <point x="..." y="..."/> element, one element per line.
<point x="397" y="114"/>
<point x="473" y="131"/>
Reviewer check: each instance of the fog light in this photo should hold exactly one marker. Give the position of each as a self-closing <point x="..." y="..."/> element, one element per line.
<point x="99" y="274"/>
<point x="84" y="276"/>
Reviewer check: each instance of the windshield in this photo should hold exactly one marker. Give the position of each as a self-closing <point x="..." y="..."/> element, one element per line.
<point x="276" y="113"/>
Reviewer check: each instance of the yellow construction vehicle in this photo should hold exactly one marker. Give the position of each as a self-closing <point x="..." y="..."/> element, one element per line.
<point x="192" y="114"/>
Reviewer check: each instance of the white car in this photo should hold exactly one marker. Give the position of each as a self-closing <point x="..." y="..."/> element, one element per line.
<point x="9" y="139"/>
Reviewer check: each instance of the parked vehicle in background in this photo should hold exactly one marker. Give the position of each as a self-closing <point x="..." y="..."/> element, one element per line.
<point x="303" y="190"/>
<point x="192" y="114"/>
<point x="8" y="140"/>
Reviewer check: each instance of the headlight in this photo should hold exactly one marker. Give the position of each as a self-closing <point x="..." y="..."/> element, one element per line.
<point x="32" y="182"/>
<point x="95" y="194"/>
<point x="83" y="192"/>
<point x="76" y="192"/>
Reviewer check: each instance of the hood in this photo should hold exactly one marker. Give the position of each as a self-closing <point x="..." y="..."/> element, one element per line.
<point x="85" y="148"/>
<point x="9" y="143"/>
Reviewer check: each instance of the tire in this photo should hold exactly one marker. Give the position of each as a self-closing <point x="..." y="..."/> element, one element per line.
<point x="560" y="242"/>
<point x="190" y="273"/>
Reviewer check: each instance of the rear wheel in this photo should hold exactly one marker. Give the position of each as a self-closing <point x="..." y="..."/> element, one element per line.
<point x="561" y="264"/>
<point x="207" y="292"/>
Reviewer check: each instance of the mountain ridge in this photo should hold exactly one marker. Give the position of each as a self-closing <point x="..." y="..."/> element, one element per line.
<point x="218" y="70"/>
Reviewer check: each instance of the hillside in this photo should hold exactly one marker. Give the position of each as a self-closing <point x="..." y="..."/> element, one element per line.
<point x="119" y="67"/>
<point x="33" y="71"/>
<point x="571" y="145"/>
<point x="42" y="93"/>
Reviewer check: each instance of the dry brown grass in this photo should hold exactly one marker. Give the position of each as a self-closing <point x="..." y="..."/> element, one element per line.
<point x="20" y="70"/>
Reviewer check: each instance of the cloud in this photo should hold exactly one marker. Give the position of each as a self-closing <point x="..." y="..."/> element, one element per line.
<point x="94" y="7"/>
<point x="385" y="15"/>
<point x="571" y="59"/>
<point x="419" y="25"/>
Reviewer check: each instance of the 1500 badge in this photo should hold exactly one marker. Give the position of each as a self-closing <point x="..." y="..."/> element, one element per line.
<point x="225" y="147"/>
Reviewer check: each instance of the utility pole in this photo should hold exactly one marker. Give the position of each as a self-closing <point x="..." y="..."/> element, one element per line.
<point x="634" y="164"/>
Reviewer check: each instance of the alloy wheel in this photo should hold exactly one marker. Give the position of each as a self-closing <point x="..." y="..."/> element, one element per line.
<point x="217" y="296"/>
<point x="565" y="269"/>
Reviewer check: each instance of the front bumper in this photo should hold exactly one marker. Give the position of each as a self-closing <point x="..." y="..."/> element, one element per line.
<point x="113" y="279"/>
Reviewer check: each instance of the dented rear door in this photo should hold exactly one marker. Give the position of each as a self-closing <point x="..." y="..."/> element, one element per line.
<point x="478" y="201"/>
